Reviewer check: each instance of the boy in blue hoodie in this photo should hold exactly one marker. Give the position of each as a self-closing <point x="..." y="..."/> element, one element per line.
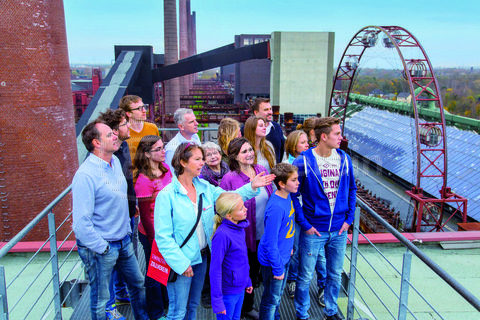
<point x="276" y="245"/>
<point x="328" y="191"/>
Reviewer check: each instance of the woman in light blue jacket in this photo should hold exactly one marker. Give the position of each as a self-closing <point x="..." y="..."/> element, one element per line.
<point x="176" y="209"/>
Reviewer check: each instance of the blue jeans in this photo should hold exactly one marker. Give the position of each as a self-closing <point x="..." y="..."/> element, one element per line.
<point x="272" y="293"/>
<point x="184" y="294"/>
<point x="293" y="268"/>
<point x="332" y="246"/>
<point x="118" y="286"/>
<point x="153" y="288"/>
<point x="320" y="267"/>
<point x="99" y="270"/>
<point x="233" y="305"/>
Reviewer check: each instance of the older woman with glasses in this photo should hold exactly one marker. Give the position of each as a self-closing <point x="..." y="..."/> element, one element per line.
<point x="179" y="206"/>
<point x="214" y="168"/>
<point x="152" y="175"/>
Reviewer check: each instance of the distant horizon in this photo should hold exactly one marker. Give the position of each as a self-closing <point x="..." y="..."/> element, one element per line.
<point x="446" y="30"/>
<point x="81" y="64"/>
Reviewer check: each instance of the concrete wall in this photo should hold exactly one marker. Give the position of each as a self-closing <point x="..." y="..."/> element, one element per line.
<point x="301" y="75"/>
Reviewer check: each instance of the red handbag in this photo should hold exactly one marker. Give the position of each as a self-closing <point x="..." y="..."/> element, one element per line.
<point x="158" y="269"/>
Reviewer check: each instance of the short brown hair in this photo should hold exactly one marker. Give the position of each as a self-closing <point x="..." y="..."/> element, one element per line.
<point x="292" y="141"/>
<point x="256" y="104"/>
<point x="126" y="101"/>
<point x="283" y="171"/>
<point x="112" y="118"/>
<point x="184" y="152"/>
<point x="324" y="125"/>
<point x="90" y="132"/>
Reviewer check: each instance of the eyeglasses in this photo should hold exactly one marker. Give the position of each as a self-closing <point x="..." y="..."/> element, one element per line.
<point x="211" y="154"/>
<point x="123" y="124"/>
<point x="144" y="107"/>
<point x="157" y="149"/>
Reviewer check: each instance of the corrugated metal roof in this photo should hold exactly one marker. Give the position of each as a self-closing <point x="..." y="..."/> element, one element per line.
<point x="389" y="139"/>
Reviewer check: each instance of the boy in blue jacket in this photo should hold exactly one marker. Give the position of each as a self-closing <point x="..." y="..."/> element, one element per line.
<point x="276" y="245"/>
<point x="328" y="191"/>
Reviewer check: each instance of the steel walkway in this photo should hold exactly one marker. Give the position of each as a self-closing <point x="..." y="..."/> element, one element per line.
<point x="287" y="309"/>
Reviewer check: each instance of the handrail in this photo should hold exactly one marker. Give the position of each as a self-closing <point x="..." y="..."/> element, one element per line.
<point x="467" y="295"/>
<point x="19" y="236"/>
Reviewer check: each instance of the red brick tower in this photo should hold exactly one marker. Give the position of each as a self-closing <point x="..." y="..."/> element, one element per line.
<point x="38" y="152"/>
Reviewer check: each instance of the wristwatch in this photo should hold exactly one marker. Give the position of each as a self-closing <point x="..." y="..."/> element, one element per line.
<point x="106" y="250"/>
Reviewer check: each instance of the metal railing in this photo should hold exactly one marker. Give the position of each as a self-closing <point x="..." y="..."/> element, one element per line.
<point x="371" y="302"/>
<point x="31" y="291"/>
<point x="46" y="301"/>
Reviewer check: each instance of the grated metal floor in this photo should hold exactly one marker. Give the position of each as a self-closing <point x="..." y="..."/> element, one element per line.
<point x="287" y="309"/>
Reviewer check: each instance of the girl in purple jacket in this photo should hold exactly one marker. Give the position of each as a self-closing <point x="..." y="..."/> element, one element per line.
<point x="229" y="278"/>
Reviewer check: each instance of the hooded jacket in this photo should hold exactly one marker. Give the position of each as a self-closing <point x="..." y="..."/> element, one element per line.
<point x="315" y="211"/>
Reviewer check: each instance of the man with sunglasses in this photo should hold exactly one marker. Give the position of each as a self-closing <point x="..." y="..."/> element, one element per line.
<point x="136" y="113"/>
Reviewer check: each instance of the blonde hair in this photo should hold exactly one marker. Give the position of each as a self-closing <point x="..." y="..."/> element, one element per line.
<point x="250" y="135"/>
<point x="227" y="131"/>
<point x="292" y="141"/>
<point x="225" y="204"/>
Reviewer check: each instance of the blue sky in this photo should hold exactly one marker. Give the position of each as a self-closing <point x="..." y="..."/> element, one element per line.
<point x="448" y="31"/>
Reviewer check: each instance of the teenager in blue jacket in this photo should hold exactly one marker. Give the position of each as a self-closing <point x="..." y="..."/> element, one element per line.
<point x="328" y="190"/>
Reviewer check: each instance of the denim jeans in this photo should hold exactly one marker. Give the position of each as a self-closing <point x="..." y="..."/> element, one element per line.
<point x="320" y="267"/>
<point x="272" y="293"/>
<point x="233" y="306"/>
<point x="332" y="246"/>
<point x="184" y="294"/>
<point x="118" y="286"/>
<point x="153" y="288"/>
<point x="293" y="268"/>
<point x="99" y="270"/>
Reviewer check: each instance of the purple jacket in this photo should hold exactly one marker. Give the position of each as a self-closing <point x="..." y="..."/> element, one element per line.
<point x="232" y="181"/>
<point x="229" y="270"/>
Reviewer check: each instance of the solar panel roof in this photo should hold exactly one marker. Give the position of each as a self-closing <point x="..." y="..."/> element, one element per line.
<point x="389" y="140"/>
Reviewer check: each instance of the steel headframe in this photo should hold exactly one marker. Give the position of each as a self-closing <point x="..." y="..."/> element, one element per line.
<point x="418" y="71"/>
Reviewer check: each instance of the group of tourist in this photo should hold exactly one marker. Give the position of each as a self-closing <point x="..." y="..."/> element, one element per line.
<point x="254" y="208"/>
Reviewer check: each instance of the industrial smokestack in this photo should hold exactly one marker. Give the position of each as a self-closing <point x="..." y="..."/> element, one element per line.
<point x="38" y="151"/>
<point x="194" y="41"/>
<point x="172" y="90"/>
<point x="183" y="26"/>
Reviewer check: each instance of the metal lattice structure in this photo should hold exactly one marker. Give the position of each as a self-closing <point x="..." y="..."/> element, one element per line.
<point x="430" y="137"/>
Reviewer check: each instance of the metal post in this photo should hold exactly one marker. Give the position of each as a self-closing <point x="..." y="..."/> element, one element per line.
<point x="3" y="295"/>
<point x="404" y="286"/>
<point x="353" y="265"/>
<point x="54" y="261"/>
